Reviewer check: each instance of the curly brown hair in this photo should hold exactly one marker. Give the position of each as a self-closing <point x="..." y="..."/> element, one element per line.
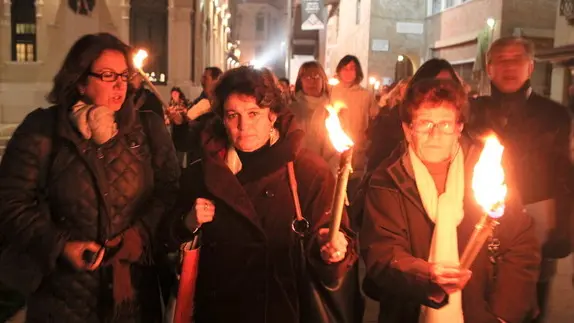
<point x="249" y="81"/>
<point x="434" y="92"/>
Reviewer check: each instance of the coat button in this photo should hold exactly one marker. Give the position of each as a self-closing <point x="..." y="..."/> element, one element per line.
<point x="268" y="193"/>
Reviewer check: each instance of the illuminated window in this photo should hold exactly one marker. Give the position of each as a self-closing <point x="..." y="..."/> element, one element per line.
<point x="24" y="52"/>
<point x="23" y="13"/>
<point x="25" y="29"/>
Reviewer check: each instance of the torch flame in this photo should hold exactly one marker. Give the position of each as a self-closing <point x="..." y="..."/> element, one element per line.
<point x="341" y="141"/>
<point x="333" y="81"/>
<point x="488" y="179"/>
<point x="139" y="57"/>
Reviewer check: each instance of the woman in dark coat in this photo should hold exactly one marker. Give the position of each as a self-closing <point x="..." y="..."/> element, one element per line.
<point x="412" y="265"/>
<point x="239" y="193"/>
<point x="83" y="186"/>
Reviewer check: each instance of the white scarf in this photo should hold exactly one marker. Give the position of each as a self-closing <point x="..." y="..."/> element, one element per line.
<point x="446" y="211"/>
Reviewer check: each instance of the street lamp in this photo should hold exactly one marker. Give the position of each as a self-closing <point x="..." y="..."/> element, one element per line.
<point x="400" y="58"/>
<point x="490" y="22"/>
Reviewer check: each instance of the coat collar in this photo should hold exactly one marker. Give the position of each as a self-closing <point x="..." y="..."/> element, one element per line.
<point x="401" y="173"/>
<point x="216" y="172"/>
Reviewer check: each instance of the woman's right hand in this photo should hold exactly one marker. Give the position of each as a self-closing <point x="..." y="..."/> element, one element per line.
<point x="74" y="253"/>
<point x="175" y="116"/>
<point x="202" y="212"/>
<point x="451" y="278"/>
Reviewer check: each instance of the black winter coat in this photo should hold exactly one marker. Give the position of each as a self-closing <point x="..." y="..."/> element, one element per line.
<point x="248" y="268"/>
<point x="93" y="193"/>
<point x="536" y="137"/>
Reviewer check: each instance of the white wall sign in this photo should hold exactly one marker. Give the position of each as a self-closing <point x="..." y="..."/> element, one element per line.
<point x="380" y="45"/>
<point x="410" y="28"/>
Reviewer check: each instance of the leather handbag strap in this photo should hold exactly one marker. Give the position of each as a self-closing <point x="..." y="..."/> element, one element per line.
<point x="300" y="225"/>
<point x="294" y="193"/>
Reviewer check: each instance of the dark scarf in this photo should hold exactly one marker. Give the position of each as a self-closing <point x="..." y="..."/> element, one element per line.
<point x="267" y="159"/>
<point x="511" y="103"/>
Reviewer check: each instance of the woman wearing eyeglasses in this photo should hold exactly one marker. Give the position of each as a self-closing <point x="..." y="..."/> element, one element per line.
<point x="309" y="107"/>
<point x="420" y="214"/>
<point x="83" y="185"/>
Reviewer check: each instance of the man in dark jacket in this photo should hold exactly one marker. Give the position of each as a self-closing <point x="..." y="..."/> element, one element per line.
<point x="535" y="132"/>
<point x="186" y="132"/>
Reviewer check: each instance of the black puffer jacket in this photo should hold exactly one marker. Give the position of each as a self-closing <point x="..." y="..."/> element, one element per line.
<point x="93" y="194"/>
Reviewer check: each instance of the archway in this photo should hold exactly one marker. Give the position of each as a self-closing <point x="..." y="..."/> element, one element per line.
<point x="404" y="67"/>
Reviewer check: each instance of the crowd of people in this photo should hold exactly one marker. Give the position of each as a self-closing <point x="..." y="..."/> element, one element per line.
<point x="98" y="190"/>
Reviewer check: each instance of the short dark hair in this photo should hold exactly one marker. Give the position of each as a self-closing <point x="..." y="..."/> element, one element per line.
<point x="435" y="92"/>
<point x="348" y="59"/>
<point x="249" y="81"/>
<point x="504" y="42"/>
<point x="284" y="79"/>
<point x="431" y="68"/>
<point x="214" y="71"/>
<point x="78" y="62"/>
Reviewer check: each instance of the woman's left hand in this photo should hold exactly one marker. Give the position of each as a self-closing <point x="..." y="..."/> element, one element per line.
<point x="332" y="251"/>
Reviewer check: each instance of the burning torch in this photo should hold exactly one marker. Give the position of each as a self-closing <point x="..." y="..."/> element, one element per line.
<point x="344" y="145"/>
<point x="138" y="59"/>
<point x="490" y="193"/>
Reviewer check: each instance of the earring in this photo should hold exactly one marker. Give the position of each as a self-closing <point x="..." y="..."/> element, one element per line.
<point x="273" y="136"/>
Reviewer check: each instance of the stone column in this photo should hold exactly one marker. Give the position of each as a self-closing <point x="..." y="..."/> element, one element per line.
<point x="5" y="32"/>
<point x="199" y="42"/>
<point x="120" y="11"/>
<point x="179" y="42"/>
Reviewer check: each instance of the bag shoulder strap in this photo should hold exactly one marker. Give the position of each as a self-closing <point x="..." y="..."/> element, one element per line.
<point x="300" y="225"/>
<point x="294" y="193"/>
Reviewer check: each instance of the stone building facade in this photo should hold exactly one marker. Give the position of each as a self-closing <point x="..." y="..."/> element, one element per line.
<point x="181" y="36"/>
<point x="387" y="36"/>
<point x="453" y="28"/>
<point x="561" y="56"/>
<point x="392" y="38"/>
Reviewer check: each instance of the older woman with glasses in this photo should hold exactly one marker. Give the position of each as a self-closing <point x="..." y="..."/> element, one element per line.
<point x="83" y="185"/>
<point x="419" y="215"/>
<point x="309" y="107"/>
